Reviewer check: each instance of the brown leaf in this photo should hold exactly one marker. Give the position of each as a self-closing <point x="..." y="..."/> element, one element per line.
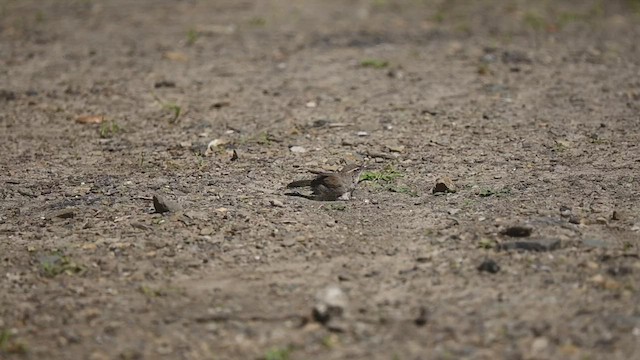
<point x="176" y="56"/>
<point x="90" y="119"/>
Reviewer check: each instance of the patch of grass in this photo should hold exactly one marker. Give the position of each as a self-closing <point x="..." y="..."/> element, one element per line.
<point x="330" y="341"/>
<point x="263" y="138"/>
<point x="173" y="108"/>
<point x="483" y="69"/>
<point x="486" y="244"/>
<point x="192" y="36"/>
<point x="380" y="3"/>
<point x="534" y="21"/>
<point x="385" y="178"/>
<point x="9" y="345"/>
<point x="597" y="141"/>
<point x="159" y="291"/>
<point x="374" y="63"/>
<point x="468" y="203"/>
<point x="40" y="17"/>
<point x="566" y="18"/>
<point x="335" y="207"/>
<point x="388" y="174"/>
<point x="109" y="129"/>
<point x="56" y="264"/>
<point x="257" y="21"/>
<point x="486" y="192"/>
<point x="278" y="353"/>
<point x="200" y="160"/>
<point x="560" y="146"/>
<point x="438" y="17"/>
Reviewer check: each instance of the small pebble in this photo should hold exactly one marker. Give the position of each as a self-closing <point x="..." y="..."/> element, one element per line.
<point x="517" y="231"/>
<point x="444" y="185"/>
<point x="276" y="203"/>
<point x="331" y="304"/>
<point x="489" y="266"/>
<point x="163" y="205"/>
<point x="297" y="149"/>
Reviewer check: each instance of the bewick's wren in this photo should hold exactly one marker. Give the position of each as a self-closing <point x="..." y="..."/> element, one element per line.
<point x="332" y="186"/>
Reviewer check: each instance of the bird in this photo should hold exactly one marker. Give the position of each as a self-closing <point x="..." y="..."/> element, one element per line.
<point x="331" y="186"/>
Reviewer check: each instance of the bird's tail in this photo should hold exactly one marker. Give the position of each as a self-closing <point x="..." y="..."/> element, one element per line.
<point x="299" y="183"/>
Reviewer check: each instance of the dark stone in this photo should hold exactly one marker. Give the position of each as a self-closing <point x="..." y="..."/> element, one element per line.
<point x="423" y="317"/>
<point x="163" y="205"/>
<point x="517" y="231"/>
<point x="164" y="84"/>
<point x="7" y="95"/>
<point x="489" y="266"/>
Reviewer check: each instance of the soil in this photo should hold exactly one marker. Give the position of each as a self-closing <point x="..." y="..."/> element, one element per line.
<point x="528" y="110"/>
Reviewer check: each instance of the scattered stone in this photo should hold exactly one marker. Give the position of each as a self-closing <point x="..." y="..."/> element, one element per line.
<point x="605" y="282"/>
<point x="362" y="133"/>
<point x="311" y="104"/>
<point x="276" y="203"/>
<point x="423" y="317"/>
<point x="298" y="149"/>
<point x="140" y="226"/>
<point x="320" y="123"/>
<point x="444" y="185"/>
<point x="65" y="213"/>
<point x="208" y="230"/>
<point x="163" y="205"/>
<point x="217" y="142"/>
<point x="291" y="241"/>
<point x="595" y="243"/>
<point x="539" y="346"/>
<point x="197" y="215"/>
<point x="26" y="192"/>
<point x="397" y="149"/>
<point x="540" y="245"/>
<point x="381" y="155"/>
<point x="515" y="57"/>
<point x="489" y="266"/>
<point x="331" y="306"/>
<point x="619" y="270"/>
<point x="565" y="211"/>
<point x="517" y="231"/>
<point x="453" y="211"/>
<point x="575" y="219"/>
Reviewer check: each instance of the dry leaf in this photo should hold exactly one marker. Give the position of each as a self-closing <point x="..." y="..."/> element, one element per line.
<point x="90" y="119"/>
<point x="176" y="56"/>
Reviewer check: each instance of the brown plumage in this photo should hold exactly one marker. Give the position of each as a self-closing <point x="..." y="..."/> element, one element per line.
<point x="332" y="186"/>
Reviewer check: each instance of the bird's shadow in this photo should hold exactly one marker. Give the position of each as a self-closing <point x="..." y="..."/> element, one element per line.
<point x="297" y="194"/>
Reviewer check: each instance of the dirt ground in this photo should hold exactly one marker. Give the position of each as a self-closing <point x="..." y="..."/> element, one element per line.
<point x="531" y="108"/>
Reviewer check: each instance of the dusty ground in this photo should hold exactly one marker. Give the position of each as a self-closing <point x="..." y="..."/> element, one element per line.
<point x="532" y="110"/>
